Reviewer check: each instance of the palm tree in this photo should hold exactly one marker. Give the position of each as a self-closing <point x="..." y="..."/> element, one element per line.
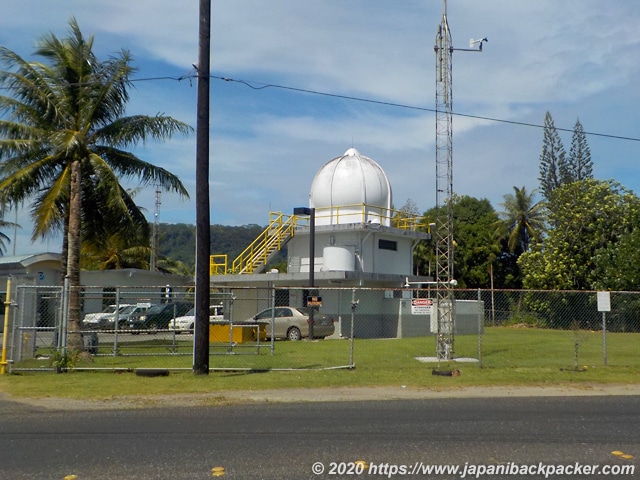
<point x="176" y="267"/>
<point x="522" y="220"/>
<point x="62" y="141"/>
<point x="111" y="240"/>
<point x="4" y="239"/>
<point x="115" y="252"/>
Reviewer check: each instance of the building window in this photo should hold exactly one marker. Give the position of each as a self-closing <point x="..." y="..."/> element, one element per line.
<point x="108" y="296"/>
<point x="388" y="245"/>
<point x="282" y="298"/>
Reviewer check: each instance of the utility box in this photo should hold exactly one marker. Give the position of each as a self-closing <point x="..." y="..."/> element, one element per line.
<point x="227" y="332"/>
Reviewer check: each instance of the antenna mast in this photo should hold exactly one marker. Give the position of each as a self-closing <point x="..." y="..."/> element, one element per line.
<point x="445" y="280"/>
<point x="154" y="232"/>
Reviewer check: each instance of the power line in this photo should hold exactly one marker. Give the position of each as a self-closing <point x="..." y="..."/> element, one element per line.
<point x="252" y="85"/>
<point x="255" y="85"/>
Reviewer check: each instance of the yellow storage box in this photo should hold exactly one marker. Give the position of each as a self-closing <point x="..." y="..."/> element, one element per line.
<point x="223" y="332"/>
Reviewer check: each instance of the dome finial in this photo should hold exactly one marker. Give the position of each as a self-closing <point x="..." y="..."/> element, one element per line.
<point x="352" y="152"/>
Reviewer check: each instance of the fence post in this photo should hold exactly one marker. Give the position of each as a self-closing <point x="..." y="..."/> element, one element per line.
<point x="5" y="330"/>
<point x="65" y="316"/>
<point x="273" y="320"/>
<point x="604" y="337"/>
<point x="116" y="323"/>
<point x="480" y="325"/>
<point x="354" y="304"/>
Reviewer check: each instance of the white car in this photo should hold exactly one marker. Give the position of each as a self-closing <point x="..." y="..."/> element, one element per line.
<point x="95" y="320"/>
<point x="108" y="321"/>
<point x="187" y="322"/>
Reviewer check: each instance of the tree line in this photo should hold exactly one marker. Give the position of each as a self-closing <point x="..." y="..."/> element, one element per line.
<point x="583" y="234"/>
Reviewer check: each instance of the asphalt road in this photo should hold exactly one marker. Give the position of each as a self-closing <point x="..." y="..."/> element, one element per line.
<point x="285" y="441"/>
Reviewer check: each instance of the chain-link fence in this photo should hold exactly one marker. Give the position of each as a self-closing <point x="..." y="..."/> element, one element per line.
<point x="293" y="328"/>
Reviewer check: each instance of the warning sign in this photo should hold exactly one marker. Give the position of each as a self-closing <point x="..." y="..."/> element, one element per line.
<point x="421" y="306"/>
<point x="604" y="301"/>
<point x="314" y="301"/>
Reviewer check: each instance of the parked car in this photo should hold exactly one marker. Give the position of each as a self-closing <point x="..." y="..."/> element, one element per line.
<point x="157" y="317"/>
<point x="187" y="322"/>
<point x="293" y="323"/>
<point x="94" y="320"/>
<point x="107" y="322"/>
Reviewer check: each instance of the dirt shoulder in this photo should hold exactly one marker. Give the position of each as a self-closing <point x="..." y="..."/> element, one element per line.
<point x="340" y="394"/>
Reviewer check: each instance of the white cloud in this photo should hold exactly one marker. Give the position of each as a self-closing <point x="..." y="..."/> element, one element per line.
<point x="576" y="59"/>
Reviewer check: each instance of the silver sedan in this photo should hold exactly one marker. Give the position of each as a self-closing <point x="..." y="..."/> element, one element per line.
<point x="293" y="322"/>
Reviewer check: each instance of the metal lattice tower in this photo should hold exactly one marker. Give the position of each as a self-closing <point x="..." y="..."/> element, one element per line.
<point x="444" y="192"/>
<point x="445" y="281"/>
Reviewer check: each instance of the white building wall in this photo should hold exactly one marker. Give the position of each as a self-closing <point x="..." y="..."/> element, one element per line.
<point x="363" y="245"/>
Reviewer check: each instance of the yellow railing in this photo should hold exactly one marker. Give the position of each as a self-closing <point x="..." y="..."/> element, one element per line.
<point x="413" y="223"/>
<point x="281" y="229"/>
<point x="362" y="212"/>
<point x="218" y="264"/>
<point x="271" y="240"/>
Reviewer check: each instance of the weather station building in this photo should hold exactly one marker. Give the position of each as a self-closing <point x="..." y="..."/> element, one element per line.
<point x="348" y="236"/>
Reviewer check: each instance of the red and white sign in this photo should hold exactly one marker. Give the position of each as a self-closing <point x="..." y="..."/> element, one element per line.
<point x="421" y="306"/>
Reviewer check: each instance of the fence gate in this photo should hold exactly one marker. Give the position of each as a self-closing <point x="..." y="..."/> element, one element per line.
<point x="34" y="323"/>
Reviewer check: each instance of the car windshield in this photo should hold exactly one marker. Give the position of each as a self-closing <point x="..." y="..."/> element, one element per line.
<point x="155" y="309"/>
<point x="127" y="309"/>
<point x="265" y="314"/>
<point x="212" y="311"/>
<point x="110" y="309"/>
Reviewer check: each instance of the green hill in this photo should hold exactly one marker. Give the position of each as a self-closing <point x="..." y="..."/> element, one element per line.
<point x="178" y="241"/>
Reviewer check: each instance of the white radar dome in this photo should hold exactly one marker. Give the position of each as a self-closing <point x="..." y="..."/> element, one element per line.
<point x="351" y="189"/>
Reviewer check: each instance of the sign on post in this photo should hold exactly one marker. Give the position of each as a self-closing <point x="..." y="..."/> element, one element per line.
<point x="604" y="301"/>
<point x="421" y="306"/>
<point x="314" y="301"/>
<point x="604" y="305"/>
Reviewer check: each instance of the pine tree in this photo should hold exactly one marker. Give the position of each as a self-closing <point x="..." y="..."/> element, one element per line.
<point x="552" y="160"/>
<point x="580" y="166"/>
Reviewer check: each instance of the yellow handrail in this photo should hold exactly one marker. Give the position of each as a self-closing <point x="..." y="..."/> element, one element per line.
<point x="397" y="218"/>
<point x="281" y="228"/>
<point x="218" y="264"/>
<point x="271" y="239"/>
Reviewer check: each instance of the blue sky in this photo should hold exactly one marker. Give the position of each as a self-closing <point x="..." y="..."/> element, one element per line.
<point x="577" y="59"/>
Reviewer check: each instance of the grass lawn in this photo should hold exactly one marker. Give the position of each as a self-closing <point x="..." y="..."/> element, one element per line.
<point x="510" y="356"/>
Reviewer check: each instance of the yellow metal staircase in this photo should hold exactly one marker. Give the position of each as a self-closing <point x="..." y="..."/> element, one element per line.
<point x="256" y="256"/>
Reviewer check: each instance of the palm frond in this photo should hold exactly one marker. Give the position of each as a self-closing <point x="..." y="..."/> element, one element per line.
<point x="130" y="166"/>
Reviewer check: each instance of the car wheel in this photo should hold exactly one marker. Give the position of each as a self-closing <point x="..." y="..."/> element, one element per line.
<point x="294" y="334"/>
<point x="191" y="329"/>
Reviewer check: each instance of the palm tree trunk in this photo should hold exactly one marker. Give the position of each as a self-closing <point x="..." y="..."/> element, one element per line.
<point x="65" y="248"/>
<point x="73" y="259"/>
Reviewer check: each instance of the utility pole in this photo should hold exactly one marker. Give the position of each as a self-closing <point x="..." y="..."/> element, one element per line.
<point x="445" y="280"/>
<point x="203" y="217"/>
